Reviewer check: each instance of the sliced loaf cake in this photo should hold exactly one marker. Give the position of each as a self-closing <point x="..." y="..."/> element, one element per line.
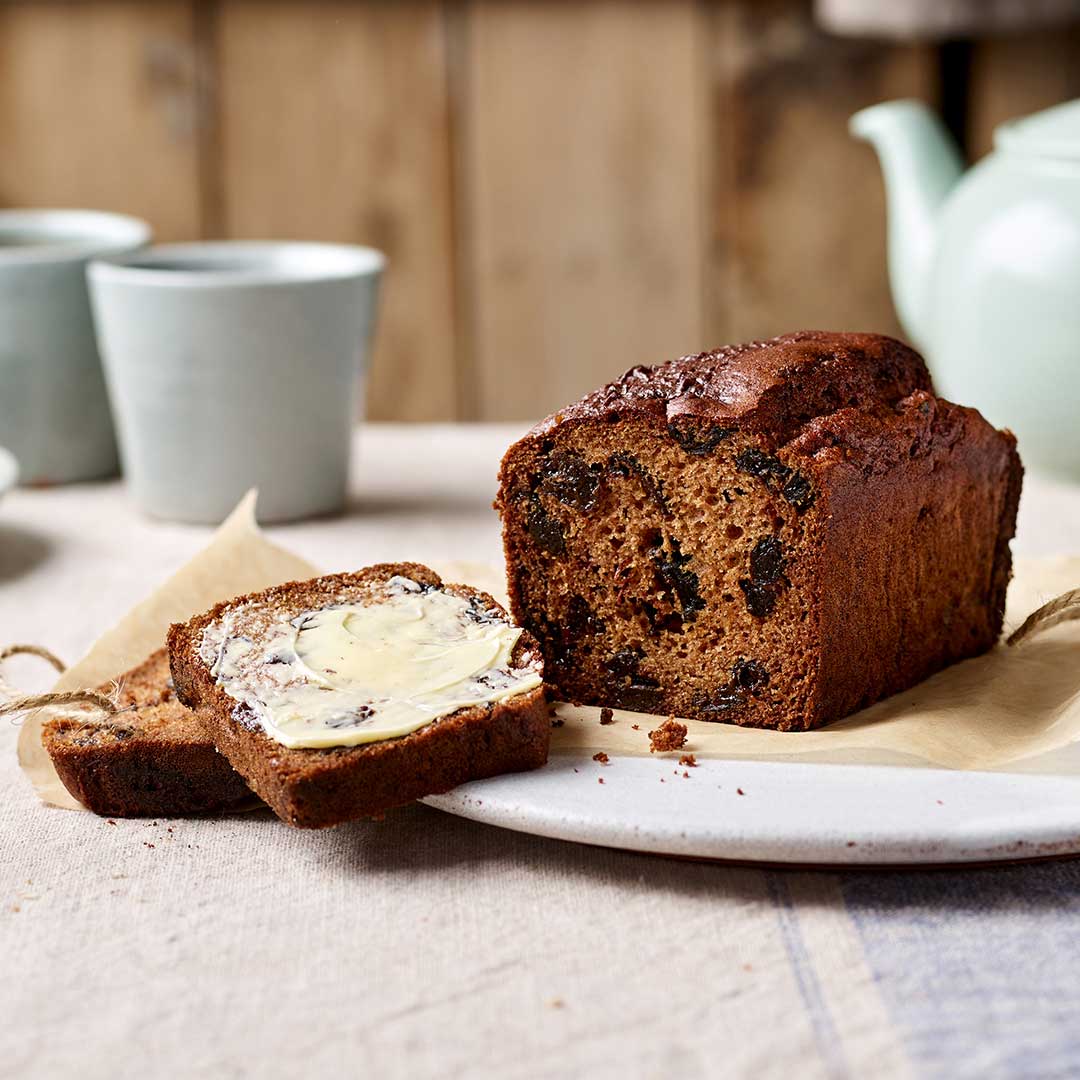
<point x="772" y="534"/>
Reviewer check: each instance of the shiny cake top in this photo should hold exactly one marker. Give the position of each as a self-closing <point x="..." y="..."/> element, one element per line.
<point x="770" y="387"/>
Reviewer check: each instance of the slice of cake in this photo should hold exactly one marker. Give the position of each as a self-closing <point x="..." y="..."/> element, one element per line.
<point x="343" y="696"/>
<point x="773" y="534"/>
<point x="152" y="759"/>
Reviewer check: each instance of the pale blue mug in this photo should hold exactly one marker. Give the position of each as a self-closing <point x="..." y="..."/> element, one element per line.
<point x="236" y="365"/>
<point x="54" y="414"/>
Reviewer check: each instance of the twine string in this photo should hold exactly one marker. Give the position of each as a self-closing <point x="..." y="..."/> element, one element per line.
<point x="70" y="697"/>
<point x="6" y="689"/>
<point x="20" y="703"/>
<point x="1063" y="608"/>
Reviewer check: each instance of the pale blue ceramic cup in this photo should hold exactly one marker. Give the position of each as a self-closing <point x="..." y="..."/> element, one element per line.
<point x="236" y="365"/>
<point x="54" y="414"/>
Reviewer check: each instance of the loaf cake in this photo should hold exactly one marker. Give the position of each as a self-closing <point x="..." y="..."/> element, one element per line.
<point x="344" y="696"/>
<point x="151" y="759"/>
<point x="774" y="534"/>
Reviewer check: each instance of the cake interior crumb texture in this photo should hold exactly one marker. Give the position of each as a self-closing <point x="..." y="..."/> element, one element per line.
<point x="774" y="534"/>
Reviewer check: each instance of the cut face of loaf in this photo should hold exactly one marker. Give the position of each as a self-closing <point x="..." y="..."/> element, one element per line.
<point x="772" y="535"/>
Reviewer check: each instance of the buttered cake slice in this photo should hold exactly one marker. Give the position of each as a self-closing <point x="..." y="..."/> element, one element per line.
<point x="346" y="695"/>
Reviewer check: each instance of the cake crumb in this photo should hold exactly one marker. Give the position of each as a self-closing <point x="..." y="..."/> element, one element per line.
<point x="557" y="722"/>
<point x="556" y="1003"/>
<point x="601" y="757"/>
<point x="635" y="727"/>
<point x="607" y="716"/>
<point x="670" y="735"/>
<point x="739" y="791"/>
<point x="686" y="775"/>
<point x="689" y="760"/>
<point x="599" y="779"/>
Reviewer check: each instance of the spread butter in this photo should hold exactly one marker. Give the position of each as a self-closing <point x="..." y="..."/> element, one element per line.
<point x="352" y="673"/>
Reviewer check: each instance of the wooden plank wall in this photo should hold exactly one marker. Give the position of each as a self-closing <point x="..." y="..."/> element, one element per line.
<point x="563" y="190"/>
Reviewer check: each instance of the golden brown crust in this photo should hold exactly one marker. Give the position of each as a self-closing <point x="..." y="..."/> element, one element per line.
<point x="151" y="760"/>
<point x="770" y="535"/>
<point x="317" y="788"/>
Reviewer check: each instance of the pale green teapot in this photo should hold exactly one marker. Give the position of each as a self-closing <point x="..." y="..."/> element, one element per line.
<point x="985" y="267"/>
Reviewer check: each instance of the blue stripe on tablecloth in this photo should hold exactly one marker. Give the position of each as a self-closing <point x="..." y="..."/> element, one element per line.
<point x="821" y="1021"/>
<point x="980" y="969"/>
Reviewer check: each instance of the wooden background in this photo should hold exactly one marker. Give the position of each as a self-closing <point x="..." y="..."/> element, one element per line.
<point x="564" y="189"/>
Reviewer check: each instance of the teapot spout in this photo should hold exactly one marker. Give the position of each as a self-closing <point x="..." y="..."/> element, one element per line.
<point x="920" y="163"/>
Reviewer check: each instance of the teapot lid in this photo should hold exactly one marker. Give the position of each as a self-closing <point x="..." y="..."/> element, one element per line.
<point x="1054" y="132"/>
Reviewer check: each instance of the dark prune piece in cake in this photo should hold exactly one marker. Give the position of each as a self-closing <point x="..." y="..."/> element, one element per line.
<point x="767" y="565"/>
<point x="569" y="478"/>
<point x="624" y="663"/>
<point x="725" y="700"/>
<point x="695" y="439"/>
<point x="561" y="637"/>
<point x="798" y="492"/>
<point x="791" y="483"/>
<point x="767" y="561"/>
<point x="625" y="465"/>
<point x="749" y="674"/>
<point x="764" y="466"/>
<point x="641" y="695"/>
<point x="553" y="643"/>
<point x="747" y="678"/>
<point x="671" y="565"/>
<point x="546" y="530"/>
<point x="628" y="689"/>
<point x="760" y="599"/>
<point x="581" y="619"/>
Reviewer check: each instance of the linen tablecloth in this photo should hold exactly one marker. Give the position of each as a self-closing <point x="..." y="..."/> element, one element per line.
<point x="425" y="945"/>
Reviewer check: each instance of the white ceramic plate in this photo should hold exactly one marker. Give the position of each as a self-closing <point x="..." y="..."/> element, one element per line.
<point x="778" y="812"/>
<point x="9" y="470"/>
